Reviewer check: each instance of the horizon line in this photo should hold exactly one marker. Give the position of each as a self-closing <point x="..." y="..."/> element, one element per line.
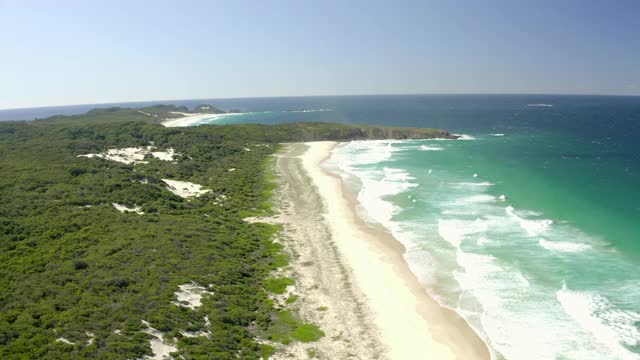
<point x="310" y="96"/>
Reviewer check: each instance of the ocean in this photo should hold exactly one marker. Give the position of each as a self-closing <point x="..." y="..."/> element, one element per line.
<point x="528" y="225"/>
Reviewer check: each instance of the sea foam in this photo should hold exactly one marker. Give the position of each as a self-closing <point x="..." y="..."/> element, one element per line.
<point x="564" y="246"/>
<point x="532" y="227"/>
<point x="611" y="326"/>
<point x="465" y="137"/>
<point x="475" y="254"/>
<point x="430" y="148"/>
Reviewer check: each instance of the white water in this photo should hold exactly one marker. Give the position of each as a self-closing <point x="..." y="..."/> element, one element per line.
<point x="457" y="237"/>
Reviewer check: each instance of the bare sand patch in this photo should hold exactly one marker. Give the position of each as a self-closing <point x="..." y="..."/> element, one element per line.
<point x="167" y="155"/>
<point x="190" y="295"/>
<point x="123" y="208"/>
<point x="185" y="189"/>
<point x="146" y="113"/>
<point x="133" y="155"/>
<point x="63" y="340"/>
<point x="191" y="119"/>
<point x="160" y="347"/>
<point x="91" y="337"/>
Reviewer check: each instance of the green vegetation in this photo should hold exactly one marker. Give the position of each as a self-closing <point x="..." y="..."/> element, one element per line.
<point x="291" y="299"/>
<point x="73" y="267"/>
<point x="208" y="109"/>
<point x="278" y="285"/>
<point x="312" y="353"/>
<point x="286" y="326"/>
<point x="307" y="333"/>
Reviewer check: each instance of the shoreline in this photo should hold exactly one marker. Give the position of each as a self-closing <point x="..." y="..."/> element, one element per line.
<point x="394" y="316"/>
<point x="192" y="119"/>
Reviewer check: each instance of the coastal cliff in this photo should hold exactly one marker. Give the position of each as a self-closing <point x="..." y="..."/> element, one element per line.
<point x="347" y="132"/>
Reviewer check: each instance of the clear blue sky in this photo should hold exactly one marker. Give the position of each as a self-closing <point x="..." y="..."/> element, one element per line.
<point x="70" y="52"/>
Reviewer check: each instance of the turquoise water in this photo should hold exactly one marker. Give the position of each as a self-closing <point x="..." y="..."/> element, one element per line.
<point x="529" y="227"/>
<point x="531" y="263"/>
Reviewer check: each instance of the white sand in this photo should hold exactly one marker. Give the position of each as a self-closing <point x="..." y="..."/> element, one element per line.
<point x="190" y="295"/>
<point x="146" y="113"/>
<point x="190" y="119"/>
<point x="185" y="189"/>
<point x="133" y="155"/>
<point x="159" y="347"/>
<point x="123" y="208"/>
<point x="411" y="324"/>
<point x="167" y="155"/>
<point x="125" y="155"/>
<point x="91" y="337"/>
<point x="195" y="334"/>
<point x="63" y="340"/>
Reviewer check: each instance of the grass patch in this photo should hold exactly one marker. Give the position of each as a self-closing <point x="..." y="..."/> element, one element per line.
<point x="286" y="326"/>
<point x="312" y="353"/>
<point x="307" y="333"/>
<point x="266" y="351"/>
<point x="291" y="299"/>
<point x="278" y="285"/>
<point x="323" y="308"/>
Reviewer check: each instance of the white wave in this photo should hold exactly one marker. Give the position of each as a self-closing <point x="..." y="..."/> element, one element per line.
<point x="460" y="137"/>
<point x="610" y="325"/>
<point x="430" y="148"/>
<point x="471" y="184"/>
<point x="482" y="241"/>
<point x="532" y="227"/>
<point x="308" y="110"/>
<point x="474" y="199"/>
<point x="465" y="137"/>
<point x="460" y="212"/>
<point x="376" y="185"/>
<point x="520" y="319"/>
<point x="392" y="174"/>
<point x="540" y="105"/>
<point x="497" y="135"/>
<point x="455" y="230"/>
<point x="564" y="246"/>
<point x="346" y="159"/>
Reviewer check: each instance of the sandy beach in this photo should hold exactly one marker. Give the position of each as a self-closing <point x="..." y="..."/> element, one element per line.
<point x="352" y="278"/>
<point x="192" y="119"/>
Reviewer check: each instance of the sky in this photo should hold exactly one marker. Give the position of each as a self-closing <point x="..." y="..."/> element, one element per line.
<point x="82" y="52"/>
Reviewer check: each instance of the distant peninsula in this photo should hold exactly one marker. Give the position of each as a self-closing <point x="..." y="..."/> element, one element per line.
<point x="181" y="116"/>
